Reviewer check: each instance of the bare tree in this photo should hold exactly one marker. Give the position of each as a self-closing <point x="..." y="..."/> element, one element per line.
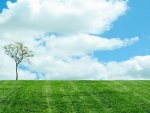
<point x="19" y="53"/>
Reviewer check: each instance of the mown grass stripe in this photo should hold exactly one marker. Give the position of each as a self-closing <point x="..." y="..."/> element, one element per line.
<point x="74" y="96"/>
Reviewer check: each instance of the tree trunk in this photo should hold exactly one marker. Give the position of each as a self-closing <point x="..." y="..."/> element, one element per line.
<point x="16" y="71"/>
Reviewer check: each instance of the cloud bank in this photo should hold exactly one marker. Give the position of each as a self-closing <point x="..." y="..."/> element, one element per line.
<point x="62" y="16"/>
<point x="63" y="35"/>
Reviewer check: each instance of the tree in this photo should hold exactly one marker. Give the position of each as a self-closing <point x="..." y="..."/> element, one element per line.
<point x="19" y="53"/>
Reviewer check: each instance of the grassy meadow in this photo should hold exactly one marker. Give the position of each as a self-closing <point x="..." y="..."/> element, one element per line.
<point x="74" y="96"/>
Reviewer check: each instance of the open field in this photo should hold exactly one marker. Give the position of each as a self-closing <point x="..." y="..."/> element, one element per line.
<point x="74" y="96"/>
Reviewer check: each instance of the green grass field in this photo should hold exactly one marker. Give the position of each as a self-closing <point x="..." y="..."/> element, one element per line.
<point x="74" y="96"/>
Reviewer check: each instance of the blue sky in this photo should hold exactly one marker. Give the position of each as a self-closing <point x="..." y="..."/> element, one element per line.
<point x="74" y="48"/>
<point x="3" y="4"/>
<point x="134" y="23"/>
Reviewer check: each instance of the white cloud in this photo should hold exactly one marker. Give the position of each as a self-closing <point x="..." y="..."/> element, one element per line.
<point x="64" y="57"/>
<point x="79" y="69"/>
<point x="7" y="68"/>
<point x="72" y="67"/>
<point x="68" y="55"/>
<point x="77" y="45"/>
<point x="135" y="68"/>
<point x="61" y="16"/>
<point x="26" y="75"/>
<point x="89" y="68"/>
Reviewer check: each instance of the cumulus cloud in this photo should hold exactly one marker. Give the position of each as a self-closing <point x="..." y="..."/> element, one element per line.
<point x="67" y="55"/>
<point x="89" y="68"/>
<point x="72" y="69"/>
<point x="6" y="68"/>
<point x="135" y="68"/>
<point x="78" y="45"/>
<point x="62" y="16"/>
<point x="61" y="54"/>
<point x="27" y="75"/>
